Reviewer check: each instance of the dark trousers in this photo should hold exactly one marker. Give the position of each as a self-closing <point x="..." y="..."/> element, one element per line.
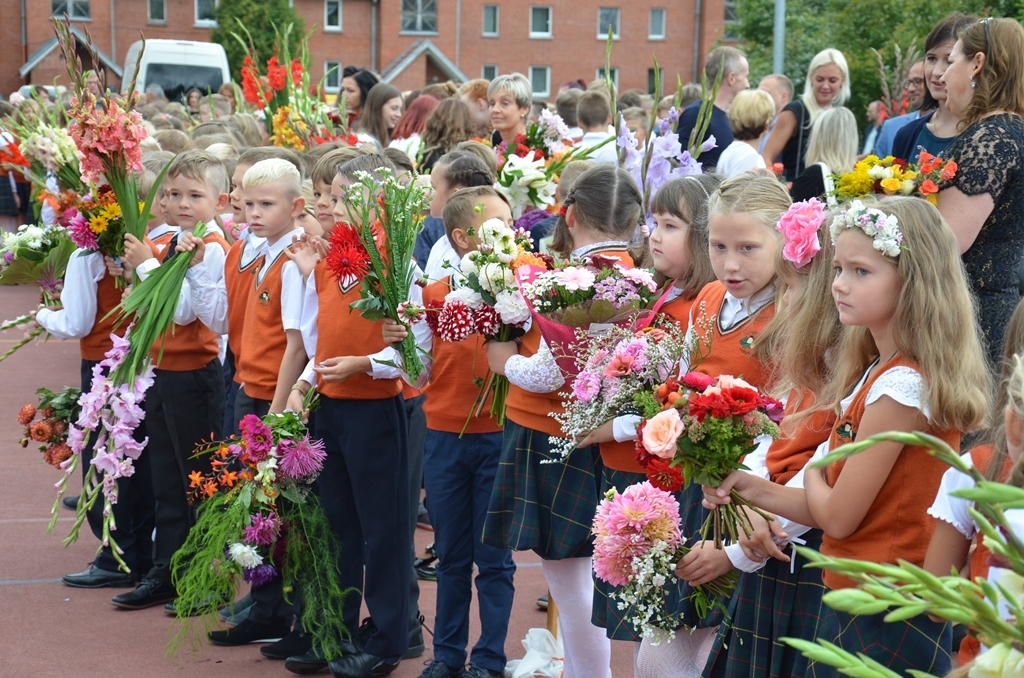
<point x="182" y="410"/>
<point x="459" y="474"/>
<point x="364" y="489"/>
<point x="230" y="393"/>
<point x="133" y="512"/>
<point x="417" y="433"/>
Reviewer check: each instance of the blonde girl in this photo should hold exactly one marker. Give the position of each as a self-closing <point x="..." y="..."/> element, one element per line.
<point x="910" y="360"/>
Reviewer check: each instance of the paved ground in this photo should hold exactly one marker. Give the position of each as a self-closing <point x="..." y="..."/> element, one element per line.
<point x="50" y="630"/>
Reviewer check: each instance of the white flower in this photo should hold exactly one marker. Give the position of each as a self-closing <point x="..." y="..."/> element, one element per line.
<point x="495" y="277"/>
<point x="245" y="555"/>
<point x="908" y="187"/>
<point x="466" y="295"/>
<point x="1000" y="661"/>
<point x="495" y="231"/>
<point x="468" y="264"/>
<point x="879" y="172"/>
<point x="512" y="308"/>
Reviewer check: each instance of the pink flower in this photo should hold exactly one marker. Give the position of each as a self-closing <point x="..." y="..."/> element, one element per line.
<point x="575" y="278"/>
<point x="257" y="436"/>
<point x="727" y="381"/>
<point x="639" y="276"/>
<point x="301" y="458"/>
<point x="106" y="462"/>
<point x="619" y="366"/>
<point x="799" y="226"/>
<point x="628" y="525"/>
<point x="586" y="386"/>
<point x="661" y="433"/>
<point x="264" y="529"/>
<point x="698" y="381"/>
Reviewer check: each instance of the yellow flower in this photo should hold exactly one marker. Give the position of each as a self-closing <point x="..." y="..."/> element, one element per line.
<point x="111" y="211"/>
<point x="891" y="186"/>
<point x="933" y="199"/>
<point x="856" y="183"/>
<point x="98" y="224"/>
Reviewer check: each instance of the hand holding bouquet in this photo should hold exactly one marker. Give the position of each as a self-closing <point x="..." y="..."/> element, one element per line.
<point x="698" y="429"/>
<point x="56" y="412"/>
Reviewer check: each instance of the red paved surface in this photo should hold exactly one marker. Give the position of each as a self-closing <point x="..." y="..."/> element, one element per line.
<point x="50" y="630"/>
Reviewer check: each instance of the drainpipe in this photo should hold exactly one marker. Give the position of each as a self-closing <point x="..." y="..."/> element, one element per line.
<point x="373" y="35"/>
<point x="24" y="35"/>
<point x="458" y="31"/>
<point x="696" y="42"/>
<point x="113" y="34"/>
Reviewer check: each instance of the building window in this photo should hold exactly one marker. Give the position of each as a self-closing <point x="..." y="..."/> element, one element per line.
<point x="157" y="11"/>
<point x="332" y="16"/>
<point x="419" y="16"/>
<point x="332" y="76"/>
<point x="732" y="21"/>
<point x="490" y="21"/>
<point x="75" y="9"/>
<point x="607" y="19"/>
<point x="206" y="13"/>
<point x="489" y="72"/>
<point x="612" y="72"/>
<point x="650" y="80"/>
<point x="656" y="26"/>
<point x="540" y="22"/>
<point x="540" y="80"/>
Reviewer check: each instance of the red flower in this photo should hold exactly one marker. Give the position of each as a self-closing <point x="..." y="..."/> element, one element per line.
<point x="454" y="322"/>
<point x="773" y="408"/>
<point x="899" y="162"/>
<point x="347" y="257"/>
<point x="252" y="89"/>
<point x="55" y="455"/>
<point x="520" y="139"/>
<point x="715" y="405"/>
<point x="41" y="431"/>
<point x="665" y="476"/>
<point x="277" y="75"/>
<point x="433" y="307"/>
<point x="698" y="381"/>
<point x="26" y="415"/>
<point x="741" y="400"/>
<point x="46" y="413"/>
<point x="297" y="71"/>
<point x="522" y="150"/>
<point x="486" y="321"/>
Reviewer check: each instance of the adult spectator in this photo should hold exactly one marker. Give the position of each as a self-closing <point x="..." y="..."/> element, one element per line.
<point x="510" y="98"/>
<point x="356" y="84"/>
<point x="780" y="87"/>
<point x="474" y="94"/>
<point x="749" y="115"/>
<point x="594" y="115"/>
<point x="407" y="134"/>
<point x="446" y="127"/>
<point x="984" y="202"/>
<point x="733" y="66"/>
<point x="382" y="109"/>
<point x="565" y="105"/>
<point x="915" y="89"/>
<point x="874" y="117"/>
<point x="154" y="92"/>
<point x="936" y="130"/>
<point x="832" y="149"/>
<point x="827" y="85"/>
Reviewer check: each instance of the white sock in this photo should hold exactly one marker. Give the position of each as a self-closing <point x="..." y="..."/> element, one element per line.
<point x="588" y="652"/>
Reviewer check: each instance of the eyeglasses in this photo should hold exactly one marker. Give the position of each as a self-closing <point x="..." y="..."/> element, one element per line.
<point x="988" y="35"/>
<point x="913" y="82"/>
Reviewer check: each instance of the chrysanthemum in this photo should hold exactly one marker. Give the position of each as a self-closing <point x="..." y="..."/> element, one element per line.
<point x="26" y="415"/>
<point x="264" y="529"/>
<point x="55" y="455"/>
<point x="245" y="555"/>
<point x="301" y="458"/>
<point x="41" y="431"/>
<point x="259" y="575"/>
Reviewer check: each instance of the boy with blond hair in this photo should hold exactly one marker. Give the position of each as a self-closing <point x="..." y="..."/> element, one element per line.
<point x="185" y="405"/>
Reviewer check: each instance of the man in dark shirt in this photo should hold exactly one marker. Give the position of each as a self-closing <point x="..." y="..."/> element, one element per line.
<point x="735" y="71"/>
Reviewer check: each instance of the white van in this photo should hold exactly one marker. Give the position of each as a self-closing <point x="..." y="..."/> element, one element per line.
<point x="177" y="66"/>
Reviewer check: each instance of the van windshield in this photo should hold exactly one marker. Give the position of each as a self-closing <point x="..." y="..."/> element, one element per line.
<point x="177" y="79"/>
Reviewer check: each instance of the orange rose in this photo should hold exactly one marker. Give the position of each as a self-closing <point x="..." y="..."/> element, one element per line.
<point x="661" y="433"/>
<point x="949" y="171"/>
<point x="928" y="187"/>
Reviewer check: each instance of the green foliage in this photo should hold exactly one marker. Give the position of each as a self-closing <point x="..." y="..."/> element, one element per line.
<point x="260" y="17"/>
<point x="853" y="27"/>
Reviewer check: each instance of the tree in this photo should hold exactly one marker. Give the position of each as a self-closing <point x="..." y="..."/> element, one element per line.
<point x="259" y="17"/>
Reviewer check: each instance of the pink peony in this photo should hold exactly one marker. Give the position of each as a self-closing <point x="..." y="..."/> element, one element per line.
<point x="799" y="227"/>
<point x="661" y="433"/>
<point x="586" y="386"/>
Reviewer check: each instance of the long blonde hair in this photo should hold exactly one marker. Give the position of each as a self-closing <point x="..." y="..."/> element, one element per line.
<point x="1013" y="347"/>
<point x="934" y="323"/>
<point x="825" y="57"/>
<point x="833" y="140"/>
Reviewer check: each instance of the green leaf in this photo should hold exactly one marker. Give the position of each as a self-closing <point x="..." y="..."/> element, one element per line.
<point x="602" y="310"/>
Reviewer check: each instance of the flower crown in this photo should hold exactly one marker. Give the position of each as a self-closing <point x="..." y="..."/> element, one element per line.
<point x="882" y="228"/>
<point x="799" y="227"/>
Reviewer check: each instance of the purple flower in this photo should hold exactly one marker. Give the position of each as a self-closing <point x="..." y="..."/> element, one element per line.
<point x="8" y="257"/>
<point x="586" y="386"/>
<point x="264" y="529"/>
<point x="708" y="144"/>
<point x="256" y="435"/>
<point x="76" y="439"/>
<point x="301" y="458"/>
<point x="119" y="350"/>
<point x="259" y="575"/>
<point x="531" y="217"/>
<point x="687" y="166"/>
<point x="107" y="463"/>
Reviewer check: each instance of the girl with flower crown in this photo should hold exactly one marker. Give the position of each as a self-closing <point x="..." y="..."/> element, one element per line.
<point x="776" y="596"/>
<point x="910" y="360"/>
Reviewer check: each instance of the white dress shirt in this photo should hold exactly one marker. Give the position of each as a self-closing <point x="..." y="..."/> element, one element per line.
<point x="81" y="281"/>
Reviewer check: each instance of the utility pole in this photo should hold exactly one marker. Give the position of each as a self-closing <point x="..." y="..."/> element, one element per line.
<point x="779" y="37"/>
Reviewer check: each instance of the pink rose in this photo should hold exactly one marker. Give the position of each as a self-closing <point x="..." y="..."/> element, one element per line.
<point x="661" y="433"/>
<point x="799" y="227"/>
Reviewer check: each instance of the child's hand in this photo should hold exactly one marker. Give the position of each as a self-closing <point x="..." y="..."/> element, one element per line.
<point x="296" y="400"/>
<point x="304" y="252"/>
<point x="189" y="243"/>
<point x="114" y="267"/>
<point x="394" y="332"/>
<point x="719" y="496"/>
<point x="135" y="251"/>
<point x="702" y="564"/>
<point x="601" y="435"/>
<point x="125" y="293"/>
<point x="760" y="545"/>
<point x="498" y="353"/>
<point x="335" y="370"/>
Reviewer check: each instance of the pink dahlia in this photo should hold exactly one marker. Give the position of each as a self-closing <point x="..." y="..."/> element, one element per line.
<point x="301" y="458"/>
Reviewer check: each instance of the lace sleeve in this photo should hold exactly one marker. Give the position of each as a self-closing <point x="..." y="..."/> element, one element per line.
<point x="987" y="157"/>
<point x="953" y="510"/>
<point x="538" y="374"/>
<point x="903" y="384"/>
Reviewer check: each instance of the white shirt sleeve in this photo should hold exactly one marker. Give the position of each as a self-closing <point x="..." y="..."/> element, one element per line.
<point x="953" y="510"/>
<point x="309" y="374"/>
<point x="78" y="315"/>
<point x="209" y="296"/>
<point x="310" y="307"/>
<point x="424" y="340"/>
<point x="903" y="384"/>
<point x="624" y="427"/>
<point x="292" y="287"/>
<point x="538" y="373"/>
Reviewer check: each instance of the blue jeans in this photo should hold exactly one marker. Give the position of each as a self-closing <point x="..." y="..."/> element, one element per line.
<point x="459" y="477"/>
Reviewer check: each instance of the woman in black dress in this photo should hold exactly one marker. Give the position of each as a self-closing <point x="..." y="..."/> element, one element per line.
<point x="984" y="202"/>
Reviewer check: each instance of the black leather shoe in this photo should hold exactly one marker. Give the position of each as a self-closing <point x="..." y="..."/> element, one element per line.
<point x="149" y="593"/>
<point x="305" y="664"/>
<point x="362" y="665"/>
<point x="294" y="644"/>
<point x="96" y="578"/>
<point x="251" y="632"/>
<point x="70" y="502"/>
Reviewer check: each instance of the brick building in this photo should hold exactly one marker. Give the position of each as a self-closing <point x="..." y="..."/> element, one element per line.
<point x="410" y="42"/>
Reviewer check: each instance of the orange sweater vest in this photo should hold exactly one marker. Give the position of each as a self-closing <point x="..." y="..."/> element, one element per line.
<point x="897" y="526"/>
<point x="453" y="388"/>
<point x="344" y="332"/>
<point x="731" y="351"/>
<point x="790" y="453"/>
<point x="239" y="281"/>
<point x="188" y="347"/>
<point x="263" y="337"/>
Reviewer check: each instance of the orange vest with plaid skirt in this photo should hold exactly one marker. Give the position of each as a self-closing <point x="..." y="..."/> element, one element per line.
<point x="897" y="526"/>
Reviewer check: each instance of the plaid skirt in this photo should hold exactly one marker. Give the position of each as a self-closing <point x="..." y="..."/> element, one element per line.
<point x="769" y="604"/>
<point x="676" y="593"/>
<point x="919" y="643"/>
<point x="545" y="508"/>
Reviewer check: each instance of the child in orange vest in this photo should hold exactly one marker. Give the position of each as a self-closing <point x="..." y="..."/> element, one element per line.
<point x="910" y="360"/>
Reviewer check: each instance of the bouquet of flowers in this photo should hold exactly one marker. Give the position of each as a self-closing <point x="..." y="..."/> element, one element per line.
<point x="387" y="216"/>
<point x="51" y="149"/>
<point x="258" y="519"/>
<point x="590" y="295"/>
<point x="56" y="412"/>
<point x="894" y="176"/>
<point x="36" y="255"/>
<point x="698" y="429"/>
<point x="614" y="367"/>
<point x="636" y="547"/>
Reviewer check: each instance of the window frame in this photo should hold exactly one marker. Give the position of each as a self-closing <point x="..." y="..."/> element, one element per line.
<point x="651" y="35"/>
<point x="328" y="28"/>
<point x="497" y="21"/>
<point x="70" y="5"/>
<point x="327" y="67"/>
<point x="547" y="76"/>
<point x="204" y="23"/>
<point x="730" y="27"/>
<point x="419" y="19"/>
<point x="149" y="13"/>
<point x="541" y="35"/>
<point x="618" y="23"/>
<point x="614" y="73"/>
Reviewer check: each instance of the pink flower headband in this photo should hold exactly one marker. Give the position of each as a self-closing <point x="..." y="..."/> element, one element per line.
<point x="799" y="227"/>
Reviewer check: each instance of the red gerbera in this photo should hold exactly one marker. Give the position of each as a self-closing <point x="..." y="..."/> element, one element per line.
<point x="26" y="415"/>
<point x="454" y="322"/>
<point x="347" y="257"/>
<point x="664" y="476"/>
